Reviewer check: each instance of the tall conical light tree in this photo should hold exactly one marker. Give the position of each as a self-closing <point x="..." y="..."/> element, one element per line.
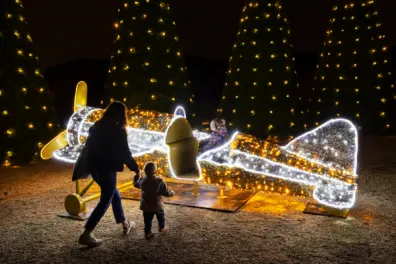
<point x="354" y="78"/>
<point x="258" y="96"/>
<point x="147" y="66"/>
<point x="26" y="112"/>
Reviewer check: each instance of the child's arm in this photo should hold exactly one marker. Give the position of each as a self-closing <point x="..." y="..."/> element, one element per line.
<point x="137" y="181"/>
<point x="164" y="191"/>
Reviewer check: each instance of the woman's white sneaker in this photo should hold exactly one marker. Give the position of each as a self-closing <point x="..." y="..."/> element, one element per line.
<point x="127" y="229"/>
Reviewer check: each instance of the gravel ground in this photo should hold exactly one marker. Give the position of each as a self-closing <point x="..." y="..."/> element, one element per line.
<point x="268" y="229"/>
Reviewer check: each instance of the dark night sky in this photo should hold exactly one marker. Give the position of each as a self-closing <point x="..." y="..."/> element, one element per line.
<point x="65" y="30"/>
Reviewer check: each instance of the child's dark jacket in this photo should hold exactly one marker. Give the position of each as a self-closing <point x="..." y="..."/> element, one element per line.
<point x="153" y="188"/>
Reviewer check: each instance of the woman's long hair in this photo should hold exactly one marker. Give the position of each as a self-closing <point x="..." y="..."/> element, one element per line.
<point x="115" y="114"/>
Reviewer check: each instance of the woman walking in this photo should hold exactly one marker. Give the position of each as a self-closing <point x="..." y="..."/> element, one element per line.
<point x="108" y="151"/>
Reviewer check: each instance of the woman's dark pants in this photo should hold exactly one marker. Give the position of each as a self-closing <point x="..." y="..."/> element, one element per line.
<point x="109" y="194"/>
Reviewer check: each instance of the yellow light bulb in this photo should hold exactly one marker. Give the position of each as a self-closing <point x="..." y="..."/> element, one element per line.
<point x="10" y="132"/>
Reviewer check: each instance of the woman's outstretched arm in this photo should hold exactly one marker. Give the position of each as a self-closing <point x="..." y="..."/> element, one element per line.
<point x="127" y="155"/>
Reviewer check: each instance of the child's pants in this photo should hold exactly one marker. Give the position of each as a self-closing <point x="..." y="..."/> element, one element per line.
<point x="109" y="194"/>
<point x="148" y="219"/>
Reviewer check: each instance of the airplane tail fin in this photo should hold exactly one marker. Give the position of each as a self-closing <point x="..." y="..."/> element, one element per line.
<point x="333" y="144"/>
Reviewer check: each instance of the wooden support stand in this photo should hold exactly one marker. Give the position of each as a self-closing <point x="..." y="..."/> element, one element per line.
<point x="81" y="216"/>
<point x="320" y="209"/>
<point x="76" y="206"/>
<point x="221" y="193"/>
<point x="195" y="189"/>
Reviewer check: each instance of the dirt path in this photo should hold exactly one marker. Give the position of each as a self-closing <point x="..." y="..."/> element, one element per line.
<point x="269" y="229"/>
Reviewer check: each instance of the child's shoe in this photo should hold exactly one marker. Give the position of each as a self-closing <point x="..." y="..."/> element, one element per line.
<point x="163" y="230"/>
<point x="90" y="241"/>
<point x="149" y="235"/>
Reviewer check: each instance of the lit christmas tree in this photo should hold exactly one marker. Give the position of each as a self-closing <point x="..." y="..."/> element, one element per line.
<point x="147" y="67"/>
<point x="258" y="96"/>
<point x="26" y="112"/>
<point x="353" y="78"/>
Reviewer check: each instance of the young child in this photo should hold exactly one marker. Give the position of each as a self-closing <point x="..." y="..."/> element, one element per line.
<point x="153" y="188"/>
<point x="217" y="137"/>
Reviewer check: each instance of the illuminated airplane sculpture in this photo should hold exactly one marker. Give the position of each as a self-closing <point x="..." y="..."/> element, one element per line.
<point x="321" y="163"/>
